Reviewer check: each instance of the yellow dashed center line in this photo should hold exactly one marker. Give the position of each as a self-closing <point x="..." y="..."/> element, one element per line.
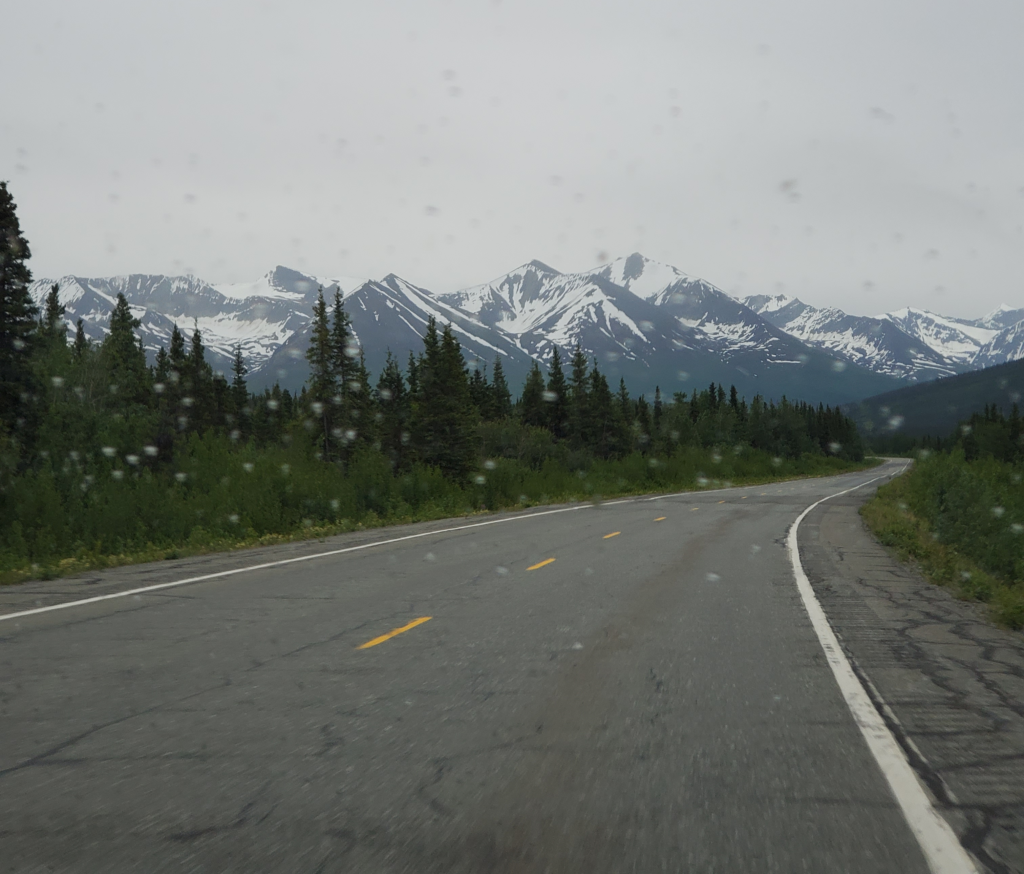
<point x="661" y="519"/>
<point x="721" y="502"/>
<point x="395" y="632"/>
<point x="534" y="567"/>
<point x="695" y="508"/>
<point x="613" y="534"/>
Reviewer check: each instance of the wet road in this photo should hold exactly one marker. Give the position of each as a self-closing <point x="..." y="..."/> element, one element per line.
<point x="634" y="686"/>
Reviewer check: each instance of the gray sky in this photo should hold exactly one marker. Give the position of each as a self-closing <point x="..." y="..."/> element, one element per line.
<point x="865" y="155"/>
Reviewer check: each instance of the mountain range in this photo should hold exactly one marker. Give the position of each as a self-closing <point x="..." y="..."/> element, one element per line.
<point x="644" y="321"/>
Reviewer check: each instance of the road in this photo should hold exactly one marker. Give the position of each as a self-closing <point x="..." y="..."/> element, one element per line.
<point x="631" y="686"/>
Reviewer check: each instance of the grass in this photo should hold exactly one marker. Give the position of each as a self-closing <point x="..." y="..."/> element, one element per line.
<point x="203" y="542"/>
<point x="913" y="537"/>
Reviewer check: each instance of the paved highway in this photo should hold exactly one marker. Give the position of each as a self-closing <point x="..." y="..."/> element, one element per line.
<point x="634" y="686"/>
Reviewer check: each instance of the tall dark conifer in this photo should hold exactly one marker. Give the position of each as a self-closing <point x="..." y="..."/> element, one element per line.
<point x="322" y="369"/>
<point x="393" y="402"/>
<point x="558" y="397"/>
<point x="578" y="399"/>
<point x="501" y="397"/>
<point x="17" y="317"/>
<point x="123" y="356"/>
<point x="532" y="409"/>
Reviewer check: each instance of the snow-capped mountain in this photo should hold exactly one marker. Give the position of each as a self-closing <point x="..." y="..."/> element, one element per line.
<point x="1003" y="316"/>
<point x="259" y="316"/>
<point x="642" y="320"/>
<point x="1007" y="345"/>
<point x="956" y="340"/>
<point x="653" y="325"/>
<point x="879" y="344"/>
<point x="391" y="316"/>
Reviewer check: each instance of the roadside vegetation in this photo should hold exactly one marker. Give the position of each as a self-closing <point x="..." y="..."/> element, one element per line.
<point x="959" y="513"/>
<point x="107" y="459"/>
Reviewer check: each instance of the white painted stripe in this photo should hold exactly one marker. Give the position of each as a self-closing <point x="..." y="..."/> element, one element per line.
<point x="280" y="563"/>
<point x="940" y="845"/>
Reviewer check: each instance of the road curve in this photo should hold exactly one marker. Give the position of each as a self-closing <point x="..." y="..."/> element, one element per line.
<point x="633" y="686"/>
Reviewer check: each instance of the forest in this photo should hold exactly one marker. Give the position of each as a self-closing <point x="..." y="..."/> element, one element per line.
<point x="107" y="457"/>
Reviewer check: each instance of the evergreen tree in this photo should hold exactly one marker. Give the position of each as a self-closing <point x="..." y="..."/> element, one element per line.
<point x="200" y="384"/>
<point x="17" y="318"/>
<point x="393" y="402"/>
<point x="239" y="390"/>
<point x="361" y="407"/>
<point x="322" y="371"/>
<point x="643" y="422"/>
<point x="578" y="399"/>
<point x="445" y="419"/>
<point x="558" y="397"/>
<point x="532" y="410"/>
<point x="658" y="412"/>
<point x="123" y="356"/>
<point x="501" y="402"/>
<point x="52" y="328"/>
<point x="80" y="340"/>
<point x="602" y="430"/>
<point x="480" y="392"/>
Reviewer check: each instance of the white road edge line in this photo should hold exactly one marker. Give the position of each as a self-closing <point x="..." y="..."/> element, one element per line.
<point x="942" y="850"/>
<point x="280" y="563"/>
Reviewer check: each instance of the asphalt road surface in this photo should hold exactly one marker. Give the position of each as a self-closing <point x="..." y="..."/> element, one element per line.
<point x="627" y="687"/>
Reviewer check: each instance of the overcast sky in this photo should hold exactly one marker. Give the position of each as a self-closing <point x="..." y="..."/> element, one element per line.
<point x="865" y="155"/>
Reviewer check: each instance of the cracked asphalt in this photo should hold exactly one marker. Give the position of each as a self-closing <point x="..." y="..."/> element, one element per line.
<point x="653" y="701"/>
<point x="952" y="682"/>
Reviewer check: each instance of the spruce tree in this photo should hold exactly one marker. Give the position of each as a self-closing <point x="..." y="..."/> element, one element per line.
<point x="80" y="340"/>
<point x="445" y="419"/>
<point x="501" y="401"/>
<point x="239" y="390"/>
<point x="52" y="328"/>
<point x="578" y="398"/>
<point x="123" y="357"/>
<point x="393" y="402"/>
<point x="17" y="317"/>
<point x="532" y="409"/>
<point x="200" y="383"/>
<point x="601" y="429"/>
<point x="322" y="370"/>
<point x="480" y="392"/>
<point x="558" y="397"/>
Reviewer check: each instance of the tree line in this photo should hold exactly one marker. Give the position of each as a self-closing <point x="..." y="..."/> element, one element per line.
<point x="81" y="419"/>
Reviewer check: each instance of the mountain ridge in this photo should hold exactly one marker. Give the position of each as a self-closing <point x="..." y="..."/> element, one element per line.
<point x="642" y="320"/>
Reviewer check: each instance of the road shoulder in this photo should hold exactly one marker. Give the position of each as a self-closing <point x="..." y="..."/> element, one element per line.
<point x="952" y="683"/>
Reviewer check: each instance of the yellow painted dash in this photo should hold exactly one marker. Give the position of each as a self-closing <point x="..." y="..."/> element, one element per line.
<point x="695" y="508"/>
<point x="661" y="519"/>
<point x="395" y="632"/>
<point x="613" y="534"/>
<point x="721" y="502"/>
<point x="534" y="567"/>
